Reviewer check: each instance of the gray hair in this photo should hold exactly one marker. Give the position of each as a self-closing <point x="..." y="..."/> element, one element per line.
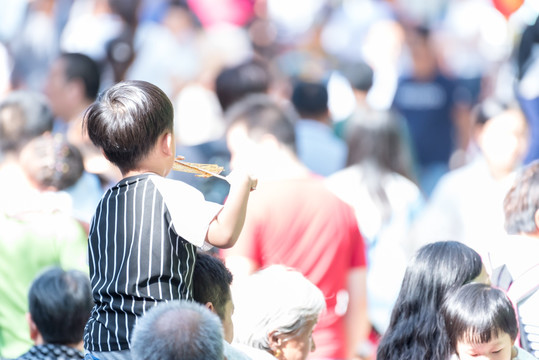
<point x="276" y="298"/>
<point x="177" y="330"/>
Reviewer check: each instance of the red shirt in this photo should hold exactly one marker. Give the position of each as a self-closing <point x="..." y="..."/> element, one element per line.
<point x="301" y="224"/>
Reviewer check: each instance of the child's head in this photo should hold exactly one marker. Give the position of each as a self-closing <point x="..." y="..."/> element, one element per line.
<point x="480" y="321"/>
<point x="127" y="120"/>
<point x="51" y="162"/>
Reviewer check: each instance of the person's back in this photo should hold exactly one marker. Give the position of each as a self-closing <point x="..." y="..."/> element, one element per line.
<point x="317" y="146"/>
<point x="293" y="219"/>
<point x="377" y="183"/>
<point x="34" y="233"/>
<point x="144" y="234"/>
<point x="29" y="243"/>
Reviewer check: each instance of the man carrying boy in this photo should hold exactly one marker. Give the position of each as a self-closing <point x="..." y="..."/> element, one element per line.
<point x="144" y="235"/>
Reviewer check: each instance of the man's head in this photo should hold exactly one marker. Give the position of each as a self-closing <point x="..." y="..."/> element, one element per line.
<point x="24" y="115"/>
<point x="178" y="330"/>
<point x="59" y="303"/>
<point x="128" y="120"/>
<point x="502" y="135"/>
<point x="73" y="82"/>
<point x="258" y="127"/>
<point x="211" y="287"/>
<point x="521" y="204"/>
<point x="236" y="82"/>
<point x="310" y="99"/>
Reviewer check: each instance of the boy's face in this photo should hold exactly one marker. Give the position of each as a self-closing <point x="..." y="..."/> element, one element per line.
<point x="498" y="348"/>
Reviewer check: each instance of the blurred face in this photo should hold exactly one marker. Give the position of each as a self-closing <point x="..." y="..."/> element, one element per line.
<point x="299" y="346"/>
<point x="498" y="348"/>
<point x="243" y="150"/>
<point x="503" y="140"/>
<point x="57" y="89"/>
<point x="228" y="327"/>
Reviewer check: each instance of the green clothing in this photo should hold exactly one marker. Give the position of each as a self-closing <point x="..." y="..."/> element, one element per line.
<point x="28" y="244"/>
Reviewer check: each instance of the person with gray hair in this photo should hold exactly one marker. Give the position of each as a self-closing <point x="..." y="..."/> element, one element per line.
<point x="514" y="262"/>
<point x="23" y="115"/>
<point x="286" y="311"/>
<point x="179" y="329"/>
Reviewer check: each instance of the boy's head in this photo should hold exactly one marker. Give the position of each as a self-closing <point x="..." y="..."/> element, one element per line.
<point x="51" y="162"/>
<point x="127" y="120"/>
<point x="480" y="321"/>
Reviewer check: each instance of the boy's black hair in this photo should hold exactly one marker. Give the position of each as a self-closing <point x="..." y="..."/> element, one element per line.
<point x="127" y="120"/>
<point x="477" y="313"/>
<point x="211" y="282"/>
<point x="60" y="303"/>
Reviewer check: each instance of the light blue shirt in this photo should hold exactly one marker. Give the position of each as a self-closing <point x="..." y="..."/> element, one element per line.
<point x="319" y="148"/>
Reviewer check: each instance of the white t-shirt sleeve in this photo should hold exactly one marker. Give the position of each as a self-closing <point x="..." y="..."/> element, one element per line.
<point x="191" y="214"/>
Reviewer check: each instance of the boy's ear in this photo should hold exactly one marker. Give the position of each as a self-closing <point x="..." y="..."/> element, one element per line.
<point x="167" y="144"/>
<point x="536" y="219"/>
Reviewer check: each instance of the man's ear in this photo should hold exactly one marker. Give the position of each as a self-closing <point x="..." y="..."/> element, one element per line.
<point x="536" y="219"/>
<point x="210" y="306"/>
<point x="34" y="332"/>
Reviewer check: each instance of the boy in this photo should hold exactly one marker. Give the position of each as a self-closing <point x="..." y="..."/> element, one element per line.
<point x="481" y="322"/>
<point x="144" y="234"/>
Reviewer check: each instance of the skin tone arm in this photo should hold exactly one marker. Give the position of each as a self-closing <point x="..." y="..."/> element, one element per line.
<point x="225" y="229"/>
<point x="357" y="321"/>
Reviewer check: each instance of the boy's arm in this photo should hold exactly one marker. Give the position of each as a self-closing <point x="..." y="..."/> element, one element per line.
<point x="225" y="228"/>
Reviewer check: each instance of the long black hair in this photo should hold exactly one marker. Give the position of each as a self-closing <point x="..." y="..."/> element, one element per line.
<point x="377" y="142"/>
<point x="416" y="329"/>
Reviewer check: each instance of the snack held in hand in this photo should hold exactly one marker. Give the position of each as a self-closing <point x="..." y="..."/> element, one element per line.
<point x="201" y="170"/>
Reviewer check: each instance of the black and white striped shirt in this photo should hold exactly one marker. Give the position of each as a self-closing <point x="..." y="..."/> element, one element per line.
<point x="142" y="247"/>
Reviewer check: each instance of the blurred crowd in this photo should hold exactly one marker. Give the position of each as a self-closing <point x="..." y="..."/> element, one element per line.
<point x="418" y="116"/>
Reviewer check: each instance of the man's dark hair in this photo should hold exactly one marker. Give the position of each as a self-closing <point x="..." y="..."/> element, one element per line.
<point x="359" y="74"/>
<point x="60" y="303"/>
<point x="82" y="67"/>
<point x="127" y="120"/>
<point x="522" y="201"/>
<point x="234" y="83"/>
<point x="262" y="115"/>
<point x="211" y="282"/>
<point x="310" y="98"/>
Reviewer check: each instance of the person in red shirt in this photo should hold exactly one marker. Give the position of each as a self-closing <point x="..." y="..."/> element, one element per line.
<point x="294" y="220"/>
